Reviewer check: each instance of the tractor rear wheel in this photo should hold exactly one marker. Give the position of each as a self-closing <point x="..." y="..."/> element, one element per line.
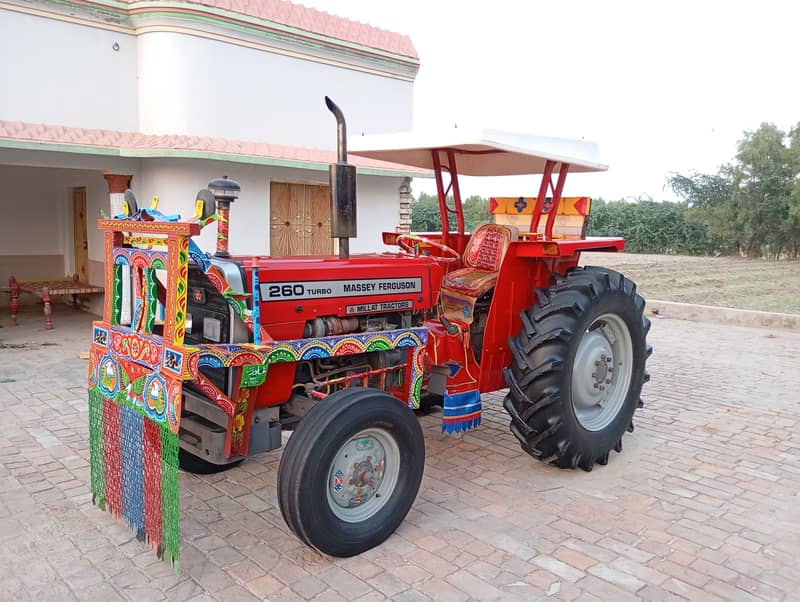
<point x="578" y="369"/>
<point x="351" y="471"/>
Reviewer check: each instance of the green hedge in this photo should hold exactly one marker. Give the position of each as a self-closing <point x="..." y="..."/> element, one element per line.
<point x="652" y="227"/>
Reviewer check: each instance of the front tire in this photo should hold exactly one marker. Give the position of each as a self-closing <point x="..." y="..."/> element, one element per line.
<point x="196" y="465"/>
<point x="351" y="471"/>
<point x="578" y="369"/>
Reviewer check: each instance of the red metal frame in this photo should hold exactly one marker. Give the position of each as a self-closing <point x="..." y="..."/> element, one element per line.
<point x="449" y="239"/>
<point x="545" y="186"/>
<point x="553" y="211"/>
<point x="529" y="264"/>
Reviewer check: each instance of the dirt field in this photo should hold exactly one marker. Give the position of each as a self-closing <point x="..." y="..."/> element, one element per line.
<point x="720" y="281"/>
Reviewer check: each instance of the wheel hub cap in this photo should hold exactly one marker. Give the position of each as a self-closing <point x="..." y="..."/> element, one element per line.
<point x="601" y="372"/>
<point x="359" y="483"/>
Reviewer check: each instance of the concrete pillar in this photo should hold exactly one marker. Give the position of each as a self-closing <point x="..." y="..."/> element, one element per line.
<point x="117" y="185"/>
<point x="405" y="206"/>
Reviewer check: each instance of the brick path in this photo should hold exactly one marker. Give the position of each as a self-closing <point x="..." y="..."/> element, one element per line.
<point x="702" y="504"/>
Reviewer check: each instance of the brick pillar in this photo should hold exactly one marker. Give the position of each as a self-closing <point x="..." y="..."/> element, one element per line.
<point x="405" y="206"/>
<point x="117" y="185"/>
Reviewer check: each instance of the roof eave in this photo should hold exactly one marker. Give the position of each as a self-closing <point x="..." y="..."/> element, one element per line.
<point x="141" y="153"/>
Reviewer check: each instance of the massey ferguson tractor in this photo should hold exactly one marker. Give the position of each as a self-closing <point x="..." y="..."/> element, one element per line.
<point x="222" y="353"/>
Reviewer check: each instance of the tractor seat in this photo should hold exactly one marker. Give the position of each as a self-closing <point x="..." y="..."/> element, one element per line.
<point x="483" y="257"/>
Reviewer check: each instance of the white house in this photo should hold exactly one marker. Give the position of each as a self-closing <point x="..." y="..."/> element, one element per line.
<point x="164" y="95"/>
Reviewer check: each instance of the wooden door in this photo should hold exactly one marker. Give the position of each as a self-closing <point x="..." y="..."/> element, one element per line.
<point x="79" y="237"/>
<point x="300" y="220"/>
<point x="318" y="239"/>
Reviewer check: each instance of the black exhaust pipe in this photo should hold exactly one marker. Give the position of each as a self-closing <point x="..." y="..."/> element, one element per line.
<point x="343" y="187"/>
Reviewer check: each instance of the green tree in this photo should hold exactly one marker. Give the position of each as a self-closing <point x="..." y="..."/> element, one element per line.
<point x="476" y="212"/>
<point x="648" y="226"/>
<point x="425" y="216"/>
<point x="708" y="201"/>
<point x="762" y="182"/>
<point x="752" y="205"/>
<point x="792" y="224"/>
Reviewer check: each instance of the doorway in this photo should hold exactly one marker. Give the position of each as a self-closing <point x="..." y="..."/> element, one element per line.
<point x="80" y="240"/>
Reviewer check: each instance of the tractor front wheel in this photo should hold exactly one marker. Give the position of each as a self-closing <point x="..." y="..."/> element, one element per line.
<point x="578" y="369"/>
<point x="195" y="465"/>
<point x="351" y="471"/>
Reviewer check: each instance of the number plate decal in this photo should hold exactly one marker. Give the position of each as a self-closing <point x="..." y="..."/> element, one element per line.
<point x="371" y="308"/>
<point x="331" y="289"/>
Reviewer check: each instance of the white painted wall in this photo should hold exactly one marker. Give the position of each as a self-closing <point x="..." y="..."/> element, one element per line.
<point x="191" y="85"/>
<point x="67" y="74"/>
<point x="378" y="211"/>
<point x="170" y="83"/>
<point x="176" y="182"/>
<point x="36" y="233"/>
<point x="37" y="203"/>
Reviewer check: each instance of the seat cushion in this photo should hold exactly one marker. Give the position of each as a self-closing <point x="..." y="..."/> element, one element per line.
<point x="470" y="281"/>
<point x="487" y="247"/>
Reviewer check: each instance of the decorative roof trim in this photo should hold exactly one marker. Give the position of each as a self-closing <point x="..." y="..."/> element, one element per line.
<point x="268" y="48"/>
<point x="111" y="143"/>
<point x="281" y="21"/>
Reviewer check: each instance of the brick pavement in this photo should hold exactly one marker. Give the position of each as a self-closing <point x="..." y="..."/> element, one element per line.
<point x="701" y="505"/>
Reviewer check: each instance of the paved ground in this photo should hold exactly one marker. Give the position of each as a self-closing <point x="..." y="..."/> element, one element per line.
<point x="702" y="504"/>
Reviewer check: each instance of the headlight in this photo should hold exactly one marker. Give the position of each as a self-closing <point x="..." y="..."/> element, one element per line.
<point x="212" y="329"/>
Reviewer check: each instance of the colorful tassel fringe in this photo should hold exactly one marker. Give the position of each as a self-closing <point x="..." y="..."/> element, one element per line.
<point x="134" y="472"/>
<point x="462" y="412"/>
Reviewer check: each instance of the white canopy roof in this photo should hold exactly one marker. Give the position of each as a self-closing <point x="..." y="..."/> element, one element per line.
<point x="480" y="153"/>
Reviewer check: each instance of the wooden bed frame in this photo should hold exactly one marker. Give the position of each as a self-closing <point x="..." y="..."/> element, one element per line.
<point x="44" y="289"/>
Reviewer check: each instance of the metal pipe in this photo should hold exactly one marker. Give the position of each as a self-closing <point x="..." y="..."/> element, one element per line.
<point x="341" y="134"/>
<point x="342" y="177"/>
<point x="547" y="182"/>
<point x="553" y="212"/>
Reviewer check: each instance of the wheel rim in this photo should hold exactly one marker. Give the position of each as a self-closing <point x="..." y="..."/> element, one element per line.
<point x="363" y="475"/>
<point x="601" y="372"/>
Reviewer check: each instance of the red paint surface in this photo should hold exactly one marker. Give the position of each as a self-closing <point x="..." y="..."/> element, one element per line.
<point x="112" y="456"/>
<point x="152" y="482"/>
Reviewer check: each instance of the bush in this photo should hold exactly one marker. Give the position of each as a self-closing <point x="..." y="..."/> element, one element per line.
<point x="651" y="227"/>
<point x="647" y="226"/>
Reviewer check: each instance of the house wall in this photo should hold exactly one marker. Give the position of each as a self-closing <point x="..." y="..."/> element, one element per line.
<point x="191" y="85"/>
<point x="63" y="73"/>
<point x="36" y="240"/>
<point x="176" y="182"/>
<point x="174" y="83"/>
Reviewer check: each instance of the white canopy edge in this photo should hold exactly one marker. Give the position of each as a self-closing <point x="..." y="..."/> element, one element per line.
<point x="480" y="153"/>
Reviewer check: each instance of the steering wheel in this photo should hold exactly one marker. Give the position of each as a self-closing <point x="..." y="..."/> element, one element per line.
<point x="406" y="242"/>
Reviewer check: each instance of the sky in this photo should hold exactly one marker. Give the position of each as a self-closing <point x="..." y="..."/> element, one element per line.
<point x="663" y="87"/>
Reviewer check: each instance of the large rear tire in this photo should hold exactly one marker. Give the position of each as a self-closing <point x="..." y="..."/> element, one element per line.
<point x="351" y="471"/>
<point x="578" y="369"/>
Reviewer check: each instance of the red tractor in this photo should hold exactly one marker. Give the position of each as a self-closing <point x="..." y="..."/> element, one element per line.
<point x="326" y="346"/>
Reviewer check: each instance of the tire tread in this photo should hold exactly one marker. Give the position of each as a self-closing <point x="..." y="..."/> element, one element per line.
<point x="540" y="352"/>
